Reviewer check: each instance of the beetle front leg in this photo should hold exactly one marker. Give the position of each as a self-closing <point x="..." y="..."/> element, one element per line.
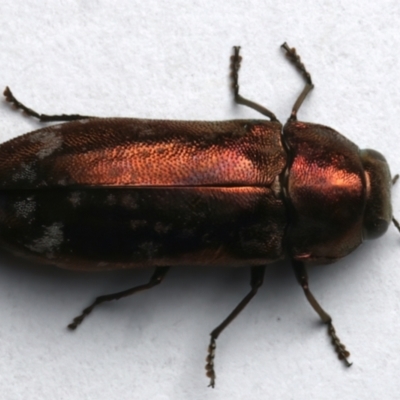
<point x="257" y="277"/>
<point x="42" y="117"/>
<point x="394" y="220"/>
<point x="156" y="279"/>
<point x="301" y="275"/>
<point x="292" y="55"/>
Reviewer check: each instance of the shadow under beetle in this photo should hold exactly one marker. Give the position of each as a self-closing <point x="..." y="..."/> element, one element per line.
<point x="109" y="193"/>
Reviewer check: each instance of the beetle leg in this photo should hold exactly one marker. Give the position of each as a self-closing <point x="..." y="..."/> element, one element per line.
<point x="235" y="66"/>
<point x="257" y="277"/>
<point x="396" y="223"/>
<point x="42" y="117"/>
<point x="301" y="275"/>
<point x="394" y="220"/>
<point x="295" y="59"/>
<point x="156" y="279"/>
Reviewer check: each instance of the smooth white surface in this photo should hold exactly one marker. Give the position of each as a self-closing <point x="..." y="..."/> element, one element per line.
<point x="156" y="59"/>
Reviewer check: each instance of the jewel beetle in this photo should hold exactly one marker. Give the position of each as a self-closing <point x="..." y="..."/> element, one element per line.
<point x="110" y="193"/>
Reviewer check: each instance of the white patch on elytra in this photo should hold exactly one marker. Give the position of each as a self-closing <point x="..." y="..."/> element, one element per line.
<point x="102" y="264"/>
<point x="62" y="182"/>
<point x="129" y="201"/>
<point x="49" y="140"/>
<point x="25" y="172"/>
<point x="160" y="228"/>
<point x="111" y="200"/>
<point x="150" y="249"/>
<point x="75" y="199"/>
<point x="53" y="237"/>
<point x="24" y="208"/>
<point x="135" y="224"/>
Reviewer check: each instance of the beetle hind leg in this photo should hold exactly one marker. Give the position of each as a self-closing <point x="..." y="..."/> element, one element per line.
<point x="156" y="279"/>
<point x="257" y="277"/>
<point x="302" y="278"/>
<point x="41" y="117"/>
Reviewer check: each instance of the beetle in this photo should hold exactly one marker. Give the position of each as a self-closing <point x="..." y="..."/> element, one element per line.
<point x="110" y="193"/>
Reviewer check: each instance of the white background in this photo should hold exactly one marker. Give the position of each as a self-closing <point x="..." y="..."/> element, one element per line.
<point x="155" y="59"/>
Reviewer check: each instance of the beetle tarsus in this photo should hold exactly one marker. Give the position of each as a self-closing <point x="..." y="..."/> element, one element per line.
<point x="292" y="55"/>
<point x="239" y="99"/>
<point x="210" y="361"/>
<point x="78" y="320"/>
<point x="340" y="348"/>
<point x="41" y="117"/>
<point x="235" y="66"/>
<point x="301" y="275"/>
<point x="156" y="279"/>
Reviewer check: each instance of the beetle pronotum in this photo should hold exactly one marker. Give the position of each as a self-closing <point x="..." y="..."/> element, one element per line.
<point x="109" y="193"/>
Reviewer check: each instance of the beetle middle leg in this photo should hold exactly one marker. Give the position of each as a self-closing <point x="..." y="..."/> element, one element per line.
<point x="156" y="279"/>
<point x="239" y="99"/>
<point x="42" y="117"/>
<point x="257" y="277"/>
<point x="301" y="275"/>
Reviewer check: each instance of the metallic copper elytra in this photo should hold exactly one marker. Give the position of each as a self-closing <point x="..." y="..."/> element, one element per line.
<point x="111" y="193"/>
<point x="130" y="152"/>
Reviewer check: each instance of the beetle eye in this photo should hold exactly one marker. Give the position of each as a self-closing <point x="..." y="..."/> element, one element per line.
<point x="378" y="210"/>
